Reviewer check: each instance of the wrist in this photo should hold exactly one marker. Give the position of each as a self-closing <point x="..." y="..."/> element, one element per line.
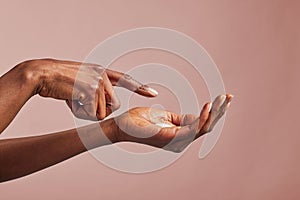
<point x="27" y="77"/>
<point x="98" y="134"/>
<point x="35" y="73"/>
<point x="110" y="128"/>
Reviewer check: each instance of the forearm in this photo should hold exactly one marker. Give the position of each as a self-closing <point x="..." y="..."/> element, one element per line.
<point x="23" y="156"/>
<point x="16" y="87"/>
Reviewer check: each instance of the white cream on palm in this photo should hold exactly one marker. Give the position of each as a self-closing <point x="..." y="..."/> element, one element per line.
<point x="164" y="125"/>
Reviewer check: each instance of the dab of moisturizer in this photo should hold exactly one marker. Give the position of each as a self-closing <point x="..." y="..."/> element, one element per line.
<point x="164" y="125"/>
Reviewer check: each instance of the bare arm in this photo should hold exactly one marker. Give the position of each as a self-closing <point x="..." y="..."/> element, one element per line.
<point x="23" y="156"/>
<point x="16" y="87"/>
<point x="87" y="88"/>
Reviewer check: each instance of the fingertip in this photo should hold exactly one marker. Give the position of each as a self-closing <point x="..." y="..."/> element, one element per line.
<point x="100" y="116"/>
<point x="229" y="97"/>
<point x="153" y="91"/>
<point x="101" y="113"/>
<point x="209" y="105"/>
<point x="222" y="99"/>
<point x="145" y="90"/>
<point x="206" y="109"/>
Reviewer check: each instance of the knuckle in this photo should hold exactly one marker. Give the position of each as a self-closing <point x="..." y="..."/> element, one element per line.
<point x="97" y="68"/>
<point x="104" y="74"/>
<point x="81" y="96"/>
<point x="127" y="77"/>
<point x="101" y="82"/>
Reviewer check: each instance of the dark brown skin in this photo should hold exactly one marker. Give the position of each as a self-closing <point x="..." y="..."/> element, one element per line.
<point x="56" y="79"/>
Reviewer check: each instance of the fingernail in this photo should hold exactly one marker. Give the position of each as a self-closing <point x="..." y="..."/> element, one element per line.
<point x="164" y="125"/>
<point x="229" y="96"/>
<point x="209" y="107"/>
<point x="152" y="91"/>
<point x="223" y="98"/>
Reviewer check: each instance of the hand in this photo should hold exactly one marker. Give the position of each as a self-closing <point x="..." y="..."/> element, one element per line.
<point x="87" y="88"/>
<point x="168" y="130"/>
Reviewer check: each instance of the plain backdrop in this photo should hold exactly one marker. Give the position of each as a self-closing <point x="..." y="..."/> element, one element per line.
<point x="254" y="43"/>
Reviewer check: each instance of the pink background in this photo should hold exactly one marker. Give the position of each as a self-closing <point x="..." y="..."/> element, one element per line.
<point x="254" y="43"/>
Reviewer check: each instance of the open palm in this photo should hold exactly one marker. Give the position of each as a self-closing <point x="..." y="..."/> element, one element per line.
<point x="166" y="129"/>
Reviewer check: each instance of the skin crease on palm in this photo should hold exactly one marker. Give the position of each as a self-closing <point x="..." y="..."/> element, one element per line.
<point x="88" y="90"/>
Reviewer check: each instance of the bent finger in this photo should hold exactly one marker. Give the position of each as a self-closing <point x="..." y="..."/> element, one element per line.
<point x="182" y="119"/>
<point x="112" y="100"/>
<point x="101" y="101"/>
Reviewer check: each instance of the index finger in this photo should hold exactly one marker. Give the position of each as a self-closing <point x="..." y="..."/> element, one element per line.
<point x="126" y="81"/>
